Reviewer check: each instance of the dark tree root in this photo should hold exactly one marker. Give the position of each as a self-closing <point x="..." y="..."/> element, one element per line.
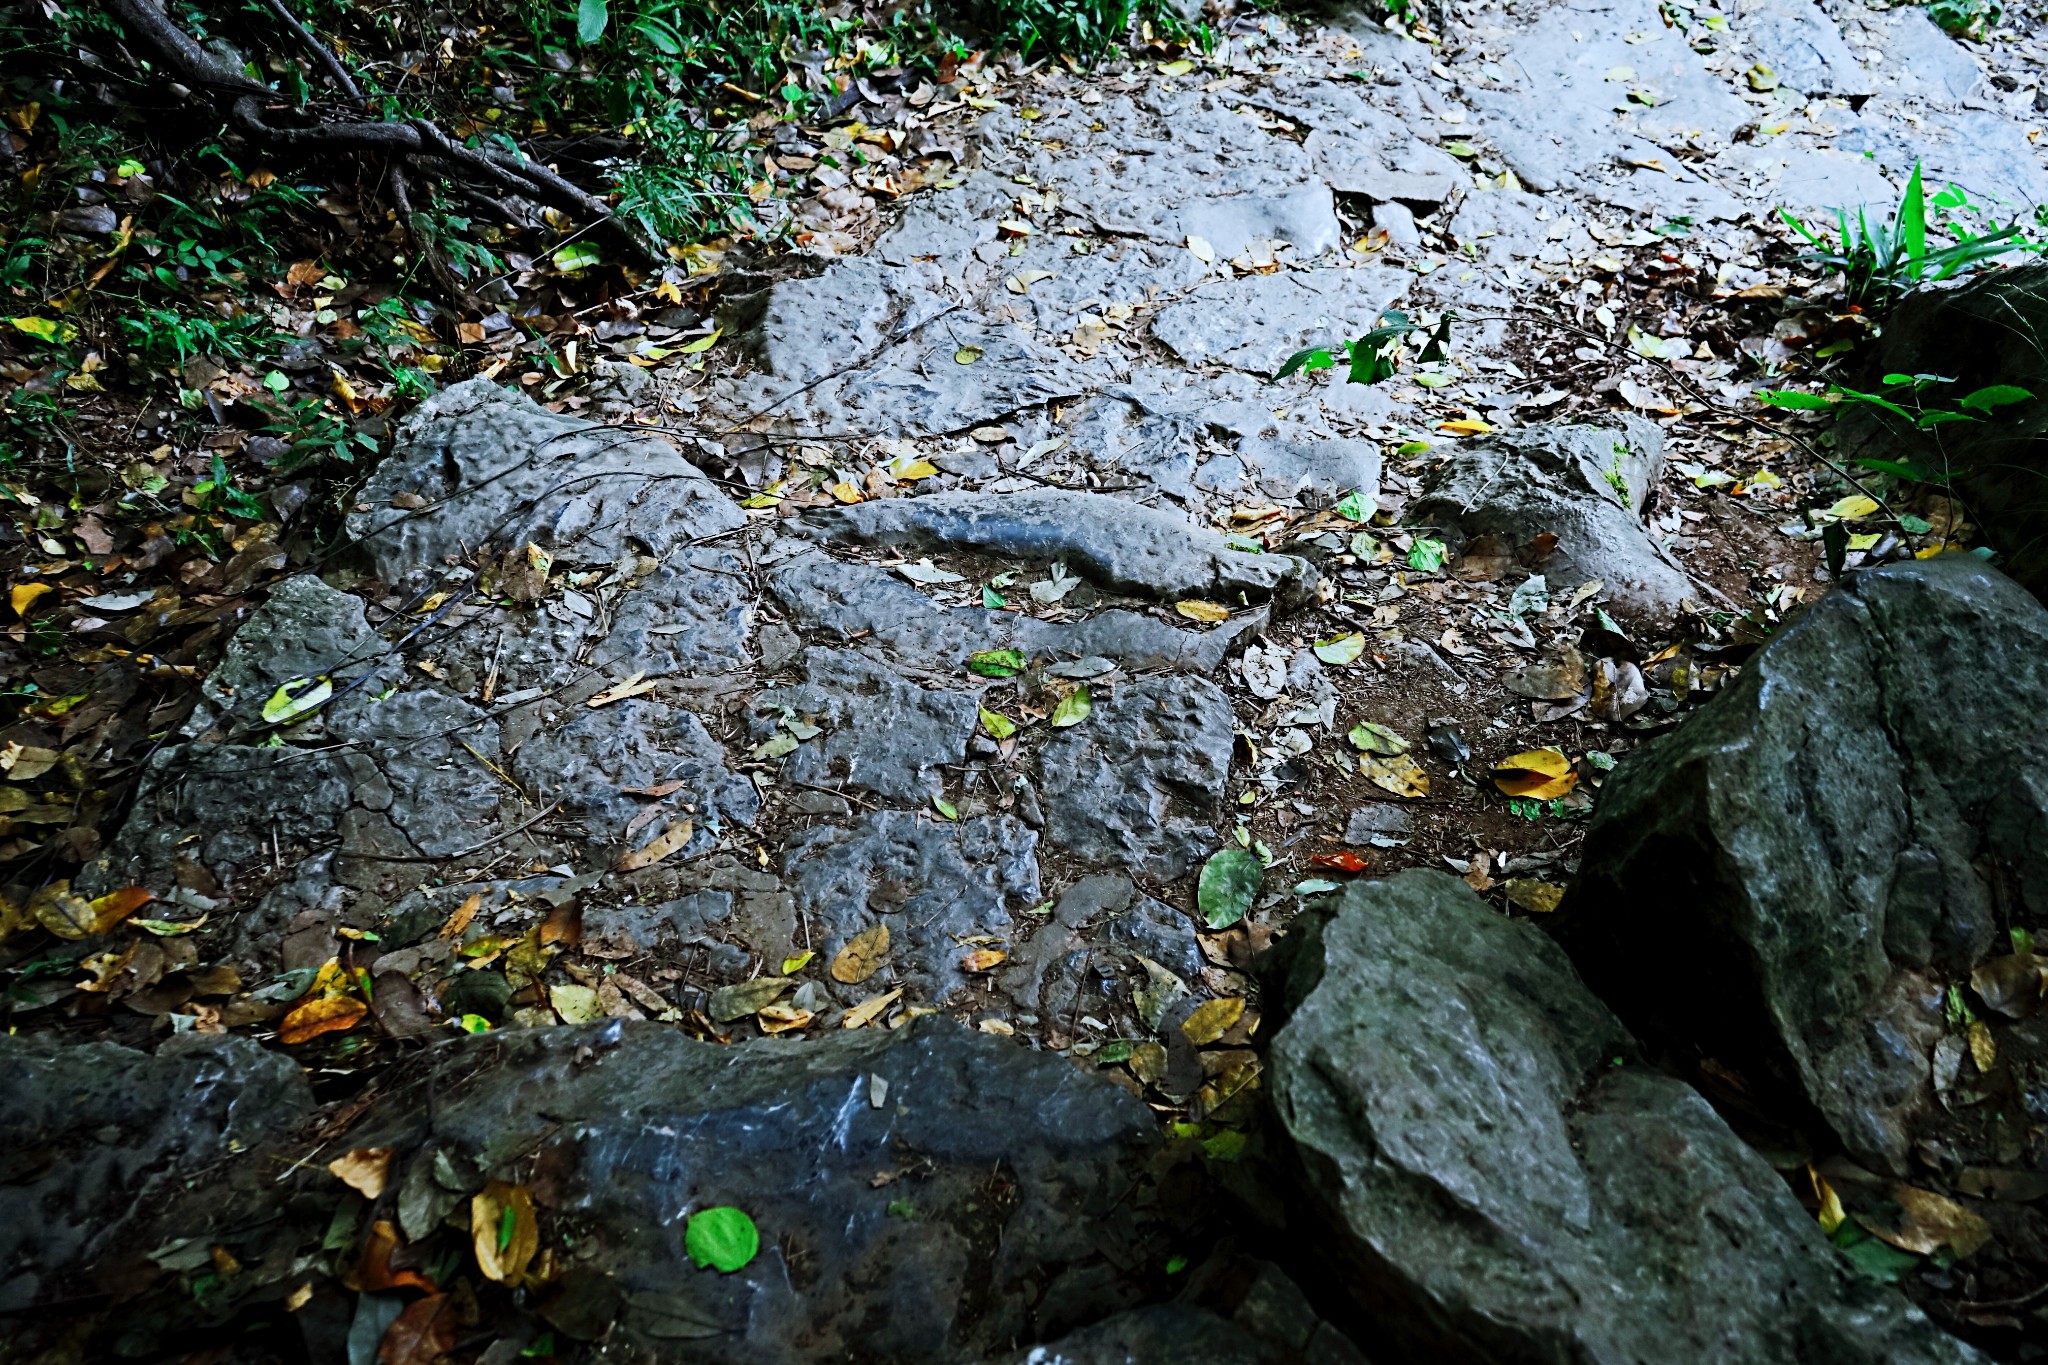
<point x="417" y="145"/>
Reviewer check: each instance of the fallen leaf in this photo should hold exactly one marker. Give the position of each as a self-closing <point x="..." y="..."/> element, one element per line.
<point x="422" y="1334"/>
<point x="661" y="846"/>
<point x="1201" y="250"/>
<point x="576" y="1004"/>
<point x="1195" y="609"/>
<point x="452" y="928"/>
<point x="2012" y="984"/>
<point x="1537" y="897"/>
<point x="967" y="355"/>
<point x="1983" y="1050"/>
<point x="1230" y="881"/>
<point x="334" y="1014"/>
<point x="637" y="685"/>
<point x="372" y="1271"/>
<point x="295" y="698"/>
<point x="504" y="1230"/>
<point x="363" y="1170"/>
<point x="743" y="998"/>
<point x="1400" y="774"/>
<point x="1465" y="426"/>
<point x="870" y="1009"/>
<point x="997" y="663"/>
<point x="1072" y="709"/>
<point x="996" y="725"/>
<point x="1343" y="860"/>
<point x="1375" y="738"/>
<point x="924" y="571"/>
<point x="1344" y="649"/>
<point x="723" y="1239"/>
<point x="982" y="959"/>
<point x="862" y="956"/>
<point x="1926" y="1222"/>
<point x="1211" y="1019"/>
<point x="782" y="1018"/>
<point x="796" y="962"/>
<point x="1543" y="774"/>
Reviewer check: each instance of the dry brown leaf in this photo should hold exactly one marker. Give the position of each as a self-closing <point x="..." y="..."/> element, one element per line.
<point x="982" y="959"/>
<point x="363" y="1170"/>
<point x="422" y="1334"/>
<point x="459" y="921"/>
<point x="1927" y="1222"/>
<point x="504" y="1229"/>
<point x="862" y="956"/>
<point x="634" y="686"/>
<point x="1195" y="609"/>
<point x="661" y="846"/>
<point x="1983" y="1050"/>
<point x="333" y="1015"/>
<point x="1401" y="775"/>
<point x="870" y="1009"/>
<point x="782" y="1018"/>
<point x="1212" y="1019"/>
<point x="1537" y="897"/>
<point x="373" y="1273"/>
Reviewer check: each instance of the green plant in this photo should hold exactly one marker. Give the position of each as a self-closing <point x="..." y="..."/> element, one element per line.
<point x="1966" y="18"/>
<point x="1903" y="402"/>
<point x="1372" y="356"/>
<point x="1081" y="29"/>
<point x="1878" y="260"/>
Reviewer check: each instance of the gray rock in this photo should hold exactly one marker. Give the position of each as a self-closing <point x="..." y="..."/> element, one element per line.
<point x="1981" y="330"/>
<point x="1398" y="222"/>
<point x="804" y="329"/>
<point x="881" y="733"/>
<point x="1498" y="1179"/>
<point x="1919" y="59"/>
<point x="589" y="762"/>
<point x="1255" y="322"/>
<point x="98" y="1136"/>
<point x="1802" y="45"/>
<point x="1583" y="484"/>
<point x="305" y="629"/>
<point x="1856" y="821"/>
<point x="1119" y="545"/>
<point x="863" y="1158"/>
<point x="1139" y="782"/>
<point x="933" y="882"/>
<point x="498" y="470"/>
<point x="944" y="226"/>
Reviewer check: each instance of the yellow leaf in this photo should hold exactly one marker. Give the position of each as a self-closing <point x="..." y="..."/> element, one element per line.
<point x="1465" y="426"/>
<point x="862" y="956"/>
<point x="1543" y="774"/>
<point x="504" y="1230"/>
<point x="364" y="1170"/>
<point x="459" y="921"/>
<point x="637" y="685"/>
<point x="781" y="1018"/>
<point x="1852" y="508"/>
<point x="1212" y="1019"/>
<point x="1179" y="68"/>
<point x="1195" y="609"/>
<point x="1983" y="1050"/>
<point x="982" y="959"/>
<point x="1399" y="774"/>
<point x="1537" y="897"/>
<point x="332" y="1014"/>
<point x="24" y="595"/>
<point x="701" y="344"/>
<point x="797" y="962"/>
<point x="1831" y="1212"/>
<point x="663" y="844"/>
<point x="844" y="492"/>
<point x="870" y="1009"/>
<point x="908" y="468"/>
<point x="576" y="1004"/>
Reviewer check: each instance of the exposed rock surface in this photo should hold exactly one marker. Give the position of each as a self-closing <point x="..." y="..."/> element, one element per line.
<point x="1854" y="823"/>
<point x="1500" y="1179"/>
<point x="1124" y="546"/>
<point x="1583" y="485"/>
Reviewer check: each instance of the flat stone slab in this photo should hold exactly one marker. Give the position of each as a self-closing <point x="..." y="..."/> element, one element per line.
<point x="1120" y="545"/>
<point x="882" y="733"/>
<point x="1501" y="1177"/>
<point x="1256" y="322"/>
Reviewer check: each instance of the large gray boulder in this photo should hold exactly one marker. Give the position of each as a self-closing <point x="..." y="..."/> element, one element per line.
<point x="1496" y="1176"/>
<point x="1585" y="485"/>
<point x="1787" y="881"/>
<point x="97" y="1137"/>
<point x="926" y="1194"/>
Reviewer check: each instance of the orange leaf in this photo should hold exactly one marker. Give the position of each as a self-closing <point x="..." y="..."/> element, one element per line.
<point x="332" y="1015"/>
<point x="1543" y="774"/>
<point x="372" y="1272"/>
<point x="363" y="1170"/>
<point x="982" y="959"/>
<point x="1344" y="860"/>
<point x="110" y="909"/>
<point x="663" y="844"/>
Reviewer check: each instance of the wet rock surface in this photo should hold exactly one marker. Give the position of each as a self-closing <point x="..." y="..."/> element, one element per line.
<point x="1850" y="827"/>
<point x="1503" y="1179"/>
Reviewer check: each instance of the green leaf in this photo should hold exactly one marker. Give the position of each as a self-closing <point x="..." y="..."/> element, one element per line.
<point x="1073" y="708"/>
<point x="723" y="1238"/>
<point x="44" y="329"/>
<point x="1792" y="398"/>
<point x="1375" y="738"/>
<point x="1426" y="554"/>
<point x="1315" y="886"/>
<point x="997" y="725"/>
<point x="592" y="16"/>
<point x="1344" y="649"/>
<point x="1314" y="358"/>
<point x="1353" y="506"/>
<point x="1995" y="396"/>
<point x="945" y="808"/>
<point x="1913" y="225"/>
<point x="967" y="355"/>
<point x="993" y="600"/>
<point x="1229" y="883"/>
<point x="577" y="256"/>
<point x="997" y="663"/>
<point x="295" y="698"/>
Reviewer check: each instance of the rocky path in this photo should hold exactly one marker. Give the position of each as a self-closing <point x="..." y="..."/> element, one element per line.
<point x="915" y="656"/>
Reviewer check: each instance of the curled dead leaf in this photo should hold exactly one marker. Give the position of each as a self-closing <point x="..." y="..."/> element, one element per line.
<point x="504" y="1230"/>
<point x="1926" y="1222"/>
<point x="334" y="1014"/>
<point x="363" y="1170"/>
<point x="659" y="847"/>
<point x="982" y="959"/>
<point x="870" y="1009"/>
<point x="782" y="1018"/>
